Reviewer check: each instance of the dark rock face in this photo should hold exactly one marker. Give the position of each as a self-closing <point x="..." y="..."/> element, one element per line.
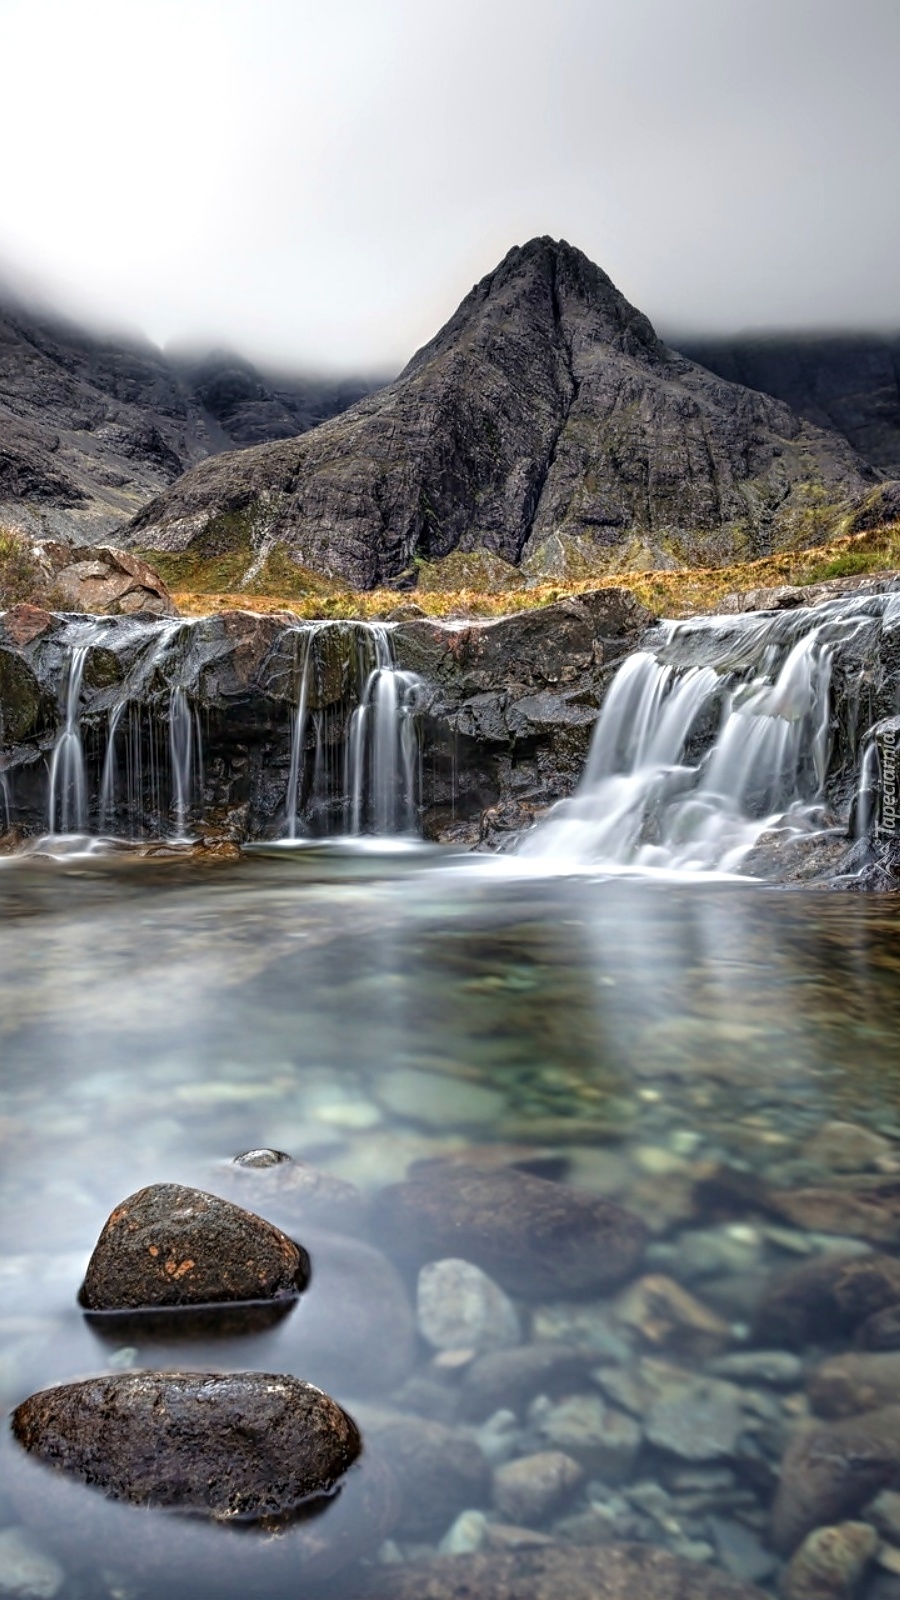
<point x="92" y="426"/>
<point x="612" y="1572"/>
<point x="831" y="1470"/>
<point x="545" y="409"/>
<point x="534" y="1237"/>
<point x="850" y="382"/>
<point x="238" y="1445"/>
<point x="171" y="1246"/>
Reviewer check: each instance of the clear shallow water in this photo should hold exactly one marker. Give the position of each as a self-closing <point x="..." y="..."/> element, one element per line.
<point x="363" y="1011"/>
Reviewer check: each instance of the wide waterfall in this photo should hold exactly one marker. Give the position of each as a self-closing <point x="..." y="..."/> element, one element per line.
<point x="721" y="731"/>
<point x="157" y="735"/>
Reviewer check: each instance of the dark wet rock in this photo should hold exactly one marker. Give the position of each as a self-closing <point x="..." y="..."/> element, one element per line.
<point x="861" y="1208"/>
<point x="169" y="1246"/>
<point x="831" y="1470"/>
<point x="354" y="1329"/>
<point x="509" y="1379"/>
<point x="854" y="1382"/>
<point x="546" y="410"/>
<point x="20" y="693"/>
<point x="831" y="1563"/>
<point x="439" y="1473"/>
<point x="535" y="1487"/>
<point x="827" y="1298"/>
<point x="294" y="1194"/>
<point x="534" y="1237"/>
<point x="236" y="1445"/>
<point x="612" y="1572"/>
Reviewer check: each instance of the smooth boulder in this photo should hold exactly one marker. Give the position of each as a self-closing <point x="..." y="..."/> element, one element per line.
<point x="535" y="1238"/>
<point x="170" y="1246"/>
<point x="244" y="1445"/>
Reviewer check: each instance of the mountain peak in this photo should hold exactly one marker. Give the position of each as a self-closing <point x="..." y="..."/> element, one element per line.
<point x="545" y="408"/>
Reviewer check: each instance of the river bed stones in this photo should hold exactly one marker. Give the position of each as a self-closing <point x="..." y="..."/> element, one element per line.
<point x="612" y="1572"/>
<point x="831" y="1295"/>
<point x="244" y="1445"/>
<point x="169" y="1246"/>
<point x="830" y="1563"/>
<point x="855" y="1382"/>
<point x="831" y="1470"/>
<point x="535" y="1237"/>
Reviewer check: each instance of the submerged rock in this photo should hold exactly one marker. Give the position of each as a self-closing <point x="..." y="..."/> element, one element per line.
<point x="827" y="1298"/>
<point x="294" y="1193"/>
<point x="355" y="1328"/>
<point x="168" y="1246"/>
<point x="854" y="1382"/>
<point x="535" y="1237"/>
<point x="244" y="1445"/>
<point x="831" y="1470"/>
<point x="460" y="1307"/>
<point x="439" y="1473"/>
<point x="611" y="1572"/>
<point x="830" y="1563"/>
<point x="535" y="1487"/>
<point x="509" y="1379"/>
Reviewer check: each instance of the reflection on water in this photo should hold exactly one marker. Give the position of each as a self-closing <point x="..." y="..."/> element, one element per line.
<point x="690" y="1051"/>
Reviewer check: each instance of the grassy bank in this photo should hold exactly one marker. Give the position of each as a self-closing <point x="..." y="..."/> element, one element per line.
<point x="198" y="588"/>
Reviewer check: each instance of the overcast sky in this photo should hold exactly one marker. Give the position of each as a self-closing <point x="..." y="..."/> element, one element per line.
<point x="320" y="181"/>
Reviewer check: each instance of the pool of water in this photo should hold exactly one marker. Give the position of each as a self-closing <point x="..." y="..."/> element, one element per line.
<point x="690" y="1050"/>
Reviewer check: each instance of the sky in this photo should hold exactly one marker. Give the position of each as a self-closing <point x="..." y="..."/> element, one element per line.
<point x="319" y="182"/>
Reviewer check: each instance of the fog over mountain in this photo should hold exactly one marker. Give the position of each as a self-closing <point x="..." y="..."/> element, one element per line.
<point x="320" y="186"/>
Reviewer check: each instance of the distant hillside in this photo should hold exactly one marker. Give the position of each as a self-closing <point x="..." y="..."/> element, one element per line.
<point x="850" y="382"/>
<point x="92" y="426"/>
<point x="546" y="423"/>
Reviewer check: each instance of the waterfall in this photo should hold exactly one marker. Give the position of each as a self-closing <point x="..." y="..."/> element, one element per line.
<point x="67" y="801"/>
<point x="716" y="734"/>
<point x="379" y="774"/>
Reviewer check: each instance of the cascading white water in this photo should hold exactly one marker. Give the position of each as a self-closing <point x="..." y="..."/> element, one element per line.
<point x="67" y="802"/>
<point x="693" y="759"/>
<point x="380" y="780"/>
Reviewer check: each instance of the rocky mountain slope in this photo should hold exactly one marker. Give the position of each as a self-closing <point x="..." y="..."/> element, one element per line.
<point x="93" y="426"/>
<point x="545" y="422"/>
<point x="850" y="382"/>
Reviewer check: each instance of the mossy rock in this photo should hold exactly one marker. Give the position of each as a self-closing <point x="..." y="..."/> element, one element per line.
<point x="102" y="668"/>
<point x="20" y="697"/>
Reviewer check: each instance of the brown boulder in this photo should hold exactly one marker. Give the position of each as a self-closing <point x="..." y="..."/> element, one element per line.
<point x="854" y="1382"/>
<point x="242" y="1445"/>
<point x="831" y="1470"/>
<point x="97" y="578"/>
<point x="827" y="1298"/>
<point x="170" y="1246"/>
<point x="536" y="1238"/>
<point x="23" y="623"/>
<point x="610" y="1572"/>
